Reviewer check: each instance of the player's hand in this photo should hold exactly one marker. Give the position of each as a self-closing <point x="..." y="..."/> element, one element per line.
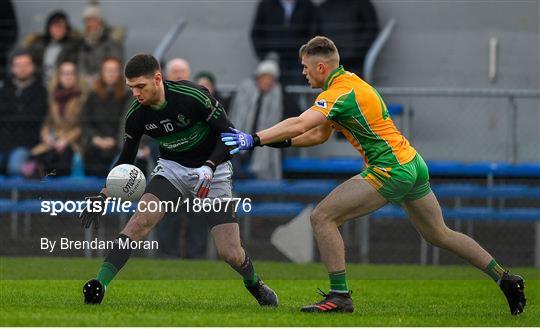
<point x="87" y="216"/>
<point x="204" y="175"/>
<point x="237" y="138"/>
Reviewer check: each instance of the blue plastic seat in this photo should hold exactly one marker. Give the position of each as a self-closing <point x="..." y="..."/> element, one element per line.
<point x="312" y="187"/>
<point x="459" y="190"/>
<point x="63" y="184"/>
<point x="456" y="168"/>
<point x="527" y="169"/>
<point x="389" y="211"/>
<point x="395" y="109"/>
<point x="519" y="214"/>
<point x="259" y="187"/>
<point x="324" y="165"/>
<point x="513" y="191"/>
<point x="7" y="205"/>
<point x="273" y="209"/>
<point x="469" y="213"/>
<point x="284" y="188"/>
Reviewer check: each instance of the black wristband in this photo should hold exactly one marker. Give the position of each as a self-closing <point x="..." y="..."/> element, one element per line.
<point x="210" y="164"/>
<point x="101" y="194"/>
<point x="281" y="145"/>
<point x="256" y="140"/>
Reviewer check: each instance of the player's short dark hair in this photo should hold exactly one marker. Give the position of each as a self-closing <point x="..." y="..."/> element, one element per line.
<point x="141" y="65"/>
<point x="319" y="46"/>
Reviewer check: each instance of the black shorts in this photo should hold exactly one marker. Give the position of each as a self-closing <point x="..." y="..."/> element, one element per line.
<point x="164" y="190"/>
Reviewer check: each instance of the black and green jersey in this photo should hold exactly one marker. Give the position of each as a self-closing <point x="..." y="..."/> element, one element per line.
<point x="187" y="126"/>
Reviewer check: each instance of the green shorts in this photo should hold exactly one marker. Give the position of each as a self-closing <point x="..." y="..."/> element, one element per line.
<point x="400" y="183"/>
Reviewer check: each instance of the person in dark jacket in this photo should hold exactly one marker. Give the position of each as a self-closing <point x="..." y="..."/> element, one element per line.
<point x="58" y="43"/>
<point x="352" y="25"/>
<point x="101" y="117"/>
<point x="23" y="100"/>
<point x="282" y="26"/>
<point x="100" y="41"/>
<point x="8" y="37"/>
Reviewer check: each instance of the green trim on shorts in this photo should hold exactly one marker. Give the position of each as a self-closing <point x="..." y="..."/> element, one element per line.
<point x="400" y="183"/>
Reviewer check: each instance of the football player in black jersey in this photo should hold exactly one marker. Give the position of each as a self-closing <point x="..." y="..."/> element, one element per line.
<point x="186" y="121"/>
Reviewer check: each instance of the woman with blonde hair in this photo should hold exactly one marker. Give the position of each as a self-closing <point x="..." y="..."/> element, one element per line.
<point x="61" y="131"/>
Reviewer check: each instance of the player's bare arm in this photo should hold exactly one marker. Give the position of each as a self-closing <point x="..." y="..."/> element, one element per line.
<point x="314" y="136"/>
<point x="279" y="135"/>
<point x="292" y="127"/>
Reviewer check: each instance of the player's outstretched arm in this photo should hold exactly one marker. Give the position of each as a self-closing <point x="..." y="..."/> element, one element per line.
<point x="314" y="136"/>
<point x="292" y="127"/>
<point x="274" y="136"/>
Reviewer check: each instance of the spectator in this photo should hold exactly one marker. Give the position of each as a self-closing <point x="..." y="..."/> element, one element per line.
<point x="260" y="103"/>
<point x="282" y="26"/>
<point x="100" y="41"/>
<point x="353" y="30"/>
<point x="8" y="37"/>
<point x="178" y="69"/>
<point x="24" y="106"/>
<point x="101" y="116"/>
<point x="58" y="42"/>
<point x="208" y="81"/>
<point x="61" y="132"/>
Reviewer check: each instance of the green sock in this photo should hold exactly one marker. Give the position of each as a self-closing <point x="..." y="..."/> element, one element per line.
<point x="249" y="282"/>
<point x="106" y="273"/>
<point x="494" y="270"/>
<point x="247" y="271"/>
<point x="338" y="281"/>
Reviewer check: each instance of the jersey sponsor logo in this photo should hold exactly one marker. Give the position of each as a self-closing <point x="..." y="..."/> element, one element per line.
<point x="321" y="103"/>
<point x="182" y="121"/>
<point x="186" y="139"/>
<point x="150" y="126"/>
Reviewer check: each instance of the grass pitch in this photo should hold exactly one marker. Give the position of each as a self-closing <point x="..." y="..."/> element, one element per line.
<point x="47" y="292"/>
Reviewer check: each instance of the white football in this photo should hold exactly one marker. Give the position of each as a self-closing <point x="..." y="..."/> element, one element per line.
<point x="127" y="182"/>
